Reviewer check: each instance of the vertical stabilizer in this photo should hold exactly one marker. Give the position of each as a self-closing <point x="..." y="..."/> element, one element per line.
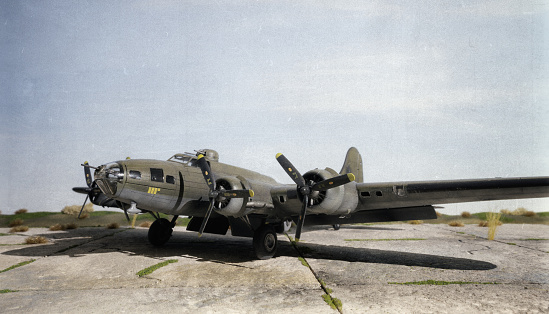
<point x="353" y="164"/>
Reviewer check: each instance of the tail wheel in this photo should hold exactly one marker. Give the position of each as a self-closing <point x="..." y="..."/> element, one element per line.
<point x="160" y="232"/>
<point x="265" y="242"/>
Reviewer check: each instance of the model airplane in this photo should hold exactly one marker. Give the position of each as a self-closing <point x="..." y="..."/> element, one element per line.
<point x="218" y="196"/>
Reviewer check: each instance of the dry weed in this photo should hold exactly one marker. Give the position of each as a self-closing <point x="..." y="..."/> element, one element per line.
<point x="493" y="220"/>
<point x="84" y="216"/>
<point x="19" y="229"/>
<point x="113" y="225"/>
<point x="75" y="209"/>
<point x="36" y="240"/>
<point x="466" y="214"/>
<point x="21" y="211"/>
<point x="438" y="214"/>
<point x="456" y="223"/>
<point x="505" y="212"/>
<point x="529" y="213"/>
<point x="484" y="223"/>
<point x="415" y="222"/>
<point x="145" y="224"/>
<point x="72" y="226"/>
<point x="58" y="227"/>
<point x="16" y="222"/>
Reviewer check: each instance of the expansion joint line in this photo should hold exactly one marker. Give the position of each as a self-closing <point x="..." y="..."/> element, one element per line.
<point x="326" y="290"/>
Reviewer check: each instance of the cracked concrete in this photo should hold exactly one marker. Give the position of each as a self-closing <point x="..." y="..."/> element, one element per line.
<point x="94" y="270"/>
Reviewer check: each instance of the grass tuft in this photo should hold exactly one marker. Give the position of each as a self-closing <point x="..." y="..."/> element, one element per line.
<point x="401" y="239"/>
<point x="7" y="291"/>
<point x="36" y="240"/>
<point x="456" y="223"/>
<point x="21" y="211"/>
<point x="113" y="225"/>
<point x="493" y="222"/>
<point x="466" y="215"/>
<point x="19" y="229"/>
<point x="58" y="227"/>
<point x="150" y="270"/>
<point x="415" y="222"/>
<point x="75" y="209"/>
<point x="16" y="222"/>
<point x="442" y="283"/>
<point x="145" y="224"/>
<point x="17" y="265"/>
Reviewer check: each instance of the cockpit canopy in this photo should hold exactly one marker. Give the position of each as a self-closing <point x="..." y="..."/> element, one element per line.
<point x="187" y="158"/>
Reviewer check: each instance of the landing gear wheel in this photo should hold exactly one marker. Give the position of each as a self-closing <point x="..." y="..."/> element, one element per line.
<point x="160" y="232"/>
<point x="265" y="242"/>
<point x="336" y="226"/>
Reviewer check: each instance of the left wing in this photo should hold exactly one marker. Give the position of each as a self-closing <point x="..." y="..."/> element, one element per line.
<point x="420" y="193"/>
<point x="398" y="201"/>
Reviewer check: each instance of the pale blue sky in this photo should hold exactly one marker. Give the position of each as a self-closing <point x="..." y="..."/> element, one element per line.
<point x="424" y="90"/>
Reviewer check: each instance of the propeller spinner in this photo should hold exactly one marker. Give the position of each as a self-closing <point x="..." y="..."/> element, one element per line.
<point x="307" y="189"/>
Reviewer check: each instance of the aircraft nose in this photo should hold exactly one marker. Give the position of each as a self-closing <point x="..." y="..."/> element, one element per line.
<point x="108" y="176"/>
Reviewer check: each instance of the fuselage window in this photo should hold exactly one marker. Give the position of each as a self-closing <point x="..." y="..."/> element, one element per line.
<point x="170" y="179"/>
<point x="157" y="175"/>
<point x="135" y="174"/>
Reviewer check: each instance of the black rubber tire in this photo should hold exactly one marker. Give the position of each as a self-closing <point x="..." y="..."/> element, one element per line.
<point x="265" y="242"/>
<point x="160" y="232"/>
<point x="336" y="226"/>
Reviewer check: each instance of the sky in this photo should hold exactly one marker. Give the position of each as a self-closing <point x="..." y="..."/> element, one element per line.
<point x="425" y="90"/>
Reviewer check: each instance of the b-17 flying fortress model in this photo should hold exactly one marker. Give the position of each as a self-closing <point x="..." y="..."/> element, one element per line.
<point x="217" y="196"/>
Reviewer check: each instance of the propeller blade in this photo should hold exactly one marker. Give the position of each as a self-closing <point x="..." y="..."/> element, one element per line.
<point x="81" y="209"/>
<point x="237" y="193"/>
<point x="87" y="173"/>
<point x="206" y="172"/>
<point x="290" y="170"/>
<point x="208" y="213"/>
<point x="333" y="182"/>
<point x="82" y="190"/>
<point x="301" y="217"/>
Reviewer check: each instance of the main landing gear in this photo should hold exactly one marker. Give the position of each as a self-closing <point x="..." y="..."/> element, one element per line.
<point x="161" y="230"/>
<point x="265" y="242"/>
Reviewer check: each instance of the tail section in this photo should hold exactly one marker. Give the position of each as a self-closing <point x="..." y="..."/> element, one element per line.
<point x="353" y="164"/>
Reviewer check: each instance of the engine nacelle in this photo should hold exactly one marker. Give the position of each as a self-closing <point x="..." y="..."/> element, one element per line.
<point x="234" y="207"/>
<point x="324" y="202"/>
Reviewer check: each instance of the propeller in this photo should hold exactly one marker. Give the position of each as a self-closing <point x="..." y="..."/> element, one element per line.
<point x="91" y="191"/>
<point x="217" y="193"/>
<point x="308" y="189"/>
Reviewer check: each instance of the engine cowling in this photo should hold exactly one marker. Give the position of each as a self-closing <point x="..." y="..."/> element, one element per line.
<point x="230" y="206"/>
<point x="324" y="202"/>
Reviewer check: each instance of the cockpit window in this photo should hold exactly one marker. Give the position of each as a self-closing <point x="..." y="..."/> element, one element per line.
<point x="185" y="159"/>
<point x="157" y="175"/>
<point x="180" y="158"/>
<point x="134" y="174"/>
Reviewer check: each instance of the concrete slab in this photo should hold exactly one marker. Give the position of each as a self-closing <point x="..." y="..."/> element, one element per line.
<point x="95" y="270"/>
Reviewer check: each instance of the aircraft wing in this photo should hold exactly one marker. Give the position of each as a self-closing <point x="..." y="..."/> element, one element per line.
<point x="420" y="193"/>
<point x="399" y="201"/>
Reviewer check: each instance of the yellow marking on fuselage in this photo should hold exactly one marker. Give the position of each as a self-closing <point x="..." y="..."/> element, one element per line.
<point x="153" y="190"/>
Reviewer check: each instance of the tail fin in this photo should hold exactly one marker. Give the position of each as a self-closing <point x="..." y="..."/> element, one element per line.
<point x="353" y="164"/>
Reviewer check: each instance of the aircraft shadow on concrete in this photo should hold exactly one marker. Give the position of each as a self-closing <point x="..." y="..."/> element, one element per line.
<point x="225" y="249"/>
